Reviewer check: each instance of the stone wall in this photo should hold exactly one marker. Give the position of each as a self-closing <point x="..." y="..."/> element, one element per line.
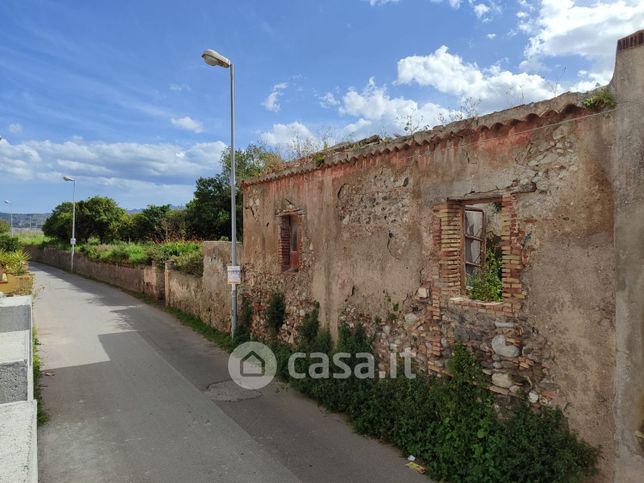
<point x="382" y="245"/>
<point x="207" y="297"/>
<point x="148" y="280"/>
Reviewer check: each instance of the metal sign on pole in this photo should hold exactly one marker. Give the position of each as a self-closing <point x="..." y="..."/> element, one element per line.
<point x="234" y="274"/>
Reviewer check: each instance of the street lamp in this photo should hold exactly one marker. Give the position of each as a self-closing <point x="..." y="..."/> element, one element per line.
<point x="72" y="242"/>
<point x="215" y="59"/>
<point x="7" y="202"/>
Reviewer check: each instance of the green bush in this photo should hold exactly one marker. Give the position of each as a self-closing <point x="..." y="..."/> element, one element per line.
<point x="449" y="423"/>
<point x="9" y="243"/>
<point x="276" y="313"/>
<point x="486" y="284"/>
<point x="14" y="262"/>
<point x="191" y="262"/>
<point x="161" y="252"/>
<point x="310" y="328"/>
<point x="600" y="100"/>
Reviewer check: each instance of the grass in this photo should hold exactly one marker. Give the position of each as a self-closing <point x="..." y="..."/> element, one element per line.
<point x="42" y="416"/>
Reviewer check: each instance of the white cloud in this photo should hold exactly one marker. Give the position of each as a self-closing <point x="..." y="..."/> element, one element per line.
<point x="492" y="87"/>
<point x="153" y="163"/>
<point x="375" y="3"/>
<point x="188" y="124"/>
<point x="15" y="128"/>
<point x="491" y="36"/>
<point x="179" y="87"/>
<point x="271" y="103"/>
<point x="567" y="27"/>
<point x="481" y="10"/>
<point x="329" y="100"/>
<point x="377" y="111"/>
<point x="282" y="136"/>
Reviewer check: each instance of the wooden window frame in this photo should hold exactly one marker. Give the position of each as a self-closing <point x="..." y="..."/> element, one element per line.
<point x="290" y="259"/>
<point x="481" y="240"/>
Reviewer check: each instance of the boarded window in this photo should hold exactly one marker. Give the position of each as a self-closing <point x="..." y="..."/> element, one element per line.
<point x="474" y="224"/>
<point x="290" y="242"/>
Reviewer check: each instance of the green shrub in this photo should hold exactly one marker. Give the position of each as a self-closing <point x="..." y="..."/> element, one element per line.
<point x="276" y="313"/>
<point x="600" y="100"/>
<point x="9" y="243"/>
<point x="191" y="262"/>
<point x="486" y="283"/>
<point x="14" y="262"/>
<point x="310" y="328"/>
<point x="449" y="423"/>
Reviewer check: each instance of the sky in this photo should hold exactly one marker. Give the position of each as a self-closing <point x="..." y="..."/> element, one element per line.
<point x="115" y="93"/>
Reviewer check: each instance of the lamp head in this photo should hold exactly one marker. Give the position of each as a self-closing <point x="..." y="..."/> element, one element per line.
<point x="68" y="178"/>
<point x="215" y="59"/>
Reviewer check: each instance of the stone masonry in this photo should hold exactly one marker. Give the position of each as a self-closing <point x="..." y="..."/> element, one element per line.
<point x="382" y="244"/>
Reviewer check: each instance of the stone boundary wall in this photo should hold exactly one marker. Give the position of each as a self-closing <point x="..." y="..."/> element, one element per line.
<point x="207" y="297"/>
<point x="148" y="280"/>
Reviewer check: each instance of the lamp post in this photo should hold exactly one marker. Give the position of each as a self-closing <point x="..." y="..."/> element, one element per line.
<point x="215" y="59"/>
<point x="72" y="241"/>
<point x="7" y="202"/>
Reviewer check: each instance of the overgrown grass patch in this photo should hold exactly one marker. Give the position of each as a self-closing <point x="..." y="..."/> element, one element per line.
<point x="42" y="416"/>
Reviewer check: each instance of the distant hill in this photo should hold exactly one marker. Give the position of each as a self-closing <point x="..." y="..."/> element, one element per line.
<point x="26" y="221"/>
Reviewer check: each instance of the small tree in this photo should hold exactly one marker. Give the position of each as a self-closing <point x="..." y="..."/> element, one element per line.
<point x="98" y="217"/>
<point x="5" y="227"/>
<point x="149" y="225"/>
<point x="208" y="213"/>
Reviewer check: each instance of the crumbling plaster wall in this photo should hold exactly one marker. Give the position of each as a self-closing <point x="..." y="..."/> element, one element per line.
<point x="368" y="248"/>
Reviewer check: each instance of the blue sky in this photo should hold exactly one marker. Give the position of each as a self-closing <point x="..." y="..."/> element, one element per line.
<point x="116" y="94"/>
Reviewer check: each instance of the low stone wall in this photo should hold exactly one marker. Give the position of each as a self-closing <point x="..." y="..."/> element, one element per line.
<point x="207" y="297"/>
<point x="148" y="280"/>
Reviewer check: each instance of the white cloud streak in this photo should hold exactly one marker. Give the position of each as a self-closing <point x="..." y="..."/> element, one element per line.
<point x="188" y="124"/>
<point x="271" y="103"/>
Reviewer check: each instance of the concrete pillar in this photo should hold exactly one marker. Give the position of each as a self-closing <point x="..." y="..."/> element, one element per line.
<point x="628" y="170"/>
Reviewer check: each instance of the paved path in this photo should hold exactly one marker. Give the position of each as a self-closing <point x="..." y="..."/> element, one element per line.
<point x="127" y="391"/>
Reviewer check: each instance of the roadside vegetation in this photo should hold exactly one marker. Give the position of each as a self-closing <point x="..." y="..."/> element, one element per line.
<point x="457" y="429"/>
<point x="42" y="416"/>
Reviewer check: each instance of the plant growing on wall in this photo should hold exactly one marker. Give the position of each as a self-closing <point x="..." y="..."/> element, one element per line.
<point x="275" y="313"/>
<point x="599" y="100"/>
<point x="485" y="284"/>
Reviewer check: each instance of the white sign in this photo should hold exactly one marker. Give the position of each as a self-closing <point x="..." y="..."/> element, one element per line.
<point x="234" y="274"/>
<point x="72" y="241"/>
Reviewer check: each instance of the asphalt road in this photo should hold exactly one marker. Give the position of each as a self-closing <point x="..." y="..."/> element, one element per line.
<point x="134" y="396"/>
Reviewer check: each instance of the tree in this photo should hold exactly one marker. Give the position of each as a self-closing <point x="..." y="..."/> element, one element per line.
<point x="96" y="217"/>
<point x="5" y="227"/>
<point x="175" y="225"/>
<point x="208" y="213"/>
<point x="59" y="223"/>
<point x="253" y="161"/>
<point x="149" y="225"/>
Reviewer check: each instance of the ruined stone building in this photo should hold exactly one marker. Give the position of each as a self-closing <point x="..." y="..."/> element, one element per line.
<point x="390" y="233"/>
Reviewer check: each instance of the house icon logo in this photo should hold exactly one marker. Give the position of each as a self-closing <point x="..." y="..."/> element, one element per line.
<point x="252" y="365"/>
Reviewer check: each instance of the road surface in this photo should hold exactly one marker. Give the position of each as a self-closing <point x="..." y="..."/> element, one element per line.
<point x="134" y="396"/>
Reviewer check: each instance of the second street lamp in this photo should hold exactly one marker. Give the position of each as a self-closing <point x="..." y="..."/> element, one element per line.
<point x="7" y="202"/>
<point x="72" y="241"/>
<point x="215" y="59"/>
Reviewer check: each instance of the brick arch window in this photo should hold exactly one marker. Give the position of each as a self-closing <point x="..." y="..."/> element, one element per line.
<point x="290" y="242"/>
